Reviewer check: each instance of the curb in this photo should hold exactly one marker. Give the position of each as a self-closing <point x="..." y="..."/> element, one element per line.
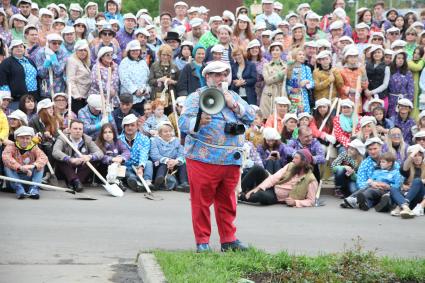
<point x="149" y="270"/>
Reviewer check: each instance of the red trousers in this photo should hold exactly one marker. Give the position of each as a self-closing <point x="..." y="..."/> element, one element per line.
<point x="213" y="184"/>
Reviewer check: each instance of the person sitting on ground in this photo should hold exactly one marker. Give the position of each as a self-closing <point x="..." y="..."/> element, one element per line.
<point x="147" y="112"/>
<point x="290" y="128"/>
<point x="167" y="155"/>
<point x="403" y="120"/>
<point x="138" y="144"/>
<point x="151" y="124"/>
<point x="114" y="150"/>
<point x="92" y="115"/>
<point x="345" y="167"/>
<point x="16" y="119"/>
<point x="126" y="107"/>
<point x="273" y="152"/>
<point x="294" y="184"/>
<point x="382" y="180"/>
<point x="383" y="125"/>
<point x="395" y="144"/>
<point x="69" y="163"/>
<point x="24" y="160"/>
<point x="343" y="123"/>
<point x="61" y="109"/>
<point x="306" y="140"/>
<point x="28" y="105"/>
<point x="412" y="192"/>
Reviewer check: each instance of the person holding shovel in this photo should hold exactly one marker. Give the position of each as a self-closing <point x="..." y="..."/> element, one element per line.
<point x="24" y="160"/>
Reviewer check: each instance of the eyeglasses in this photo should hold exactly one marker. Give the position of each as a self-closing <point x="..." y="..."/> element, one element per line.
<point x="394" y="33"/>
<point x="56" y="42"/>
<point x="80" y="26"/>
<point x="107" y="33"/>
<point x="410" y="33"/>
<point x="107" y="55"/>
<point x="395" y="135"/>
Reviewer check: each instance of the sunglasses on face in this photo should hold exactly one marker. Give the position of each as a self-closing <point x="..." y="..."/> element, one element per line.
<point x="420" y="139"/>
<point x="395" y="135"/>
<point x="410" y="33"/>
<point x="107" y="34"/>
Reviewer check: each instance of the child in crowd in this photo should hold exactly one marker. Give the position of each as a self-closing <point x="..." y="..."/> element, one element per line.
<point x="27" y="104"/>
<point x="381" y="181"/>
<point x="147" y="112"/>
<point x="254" y="133"/>
<point x="151" y="125"/>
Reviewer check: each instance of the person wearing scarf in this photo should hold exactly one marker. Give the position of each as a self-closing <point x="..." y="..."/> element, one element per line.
<point x="24" y="160"/>
<point x="344" y="123"/>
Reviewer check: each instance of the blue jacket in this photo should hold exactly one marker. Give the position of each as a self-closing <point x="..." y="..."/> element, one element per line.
<point x="249" y="74"/>
<point x="162" y="151"/>
<point x="391" y="177"/>
<point x="139" y="152"/>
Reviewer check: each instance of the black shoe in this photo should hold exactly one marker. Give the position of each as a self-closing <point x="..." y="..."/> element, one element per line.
<point x="132" y="184"/>
<point x="35" y="196"/>
<point x="384" y="204"/>
<point x="159" y="183"/>
<point x="183" y="187"/>
<point x="362" y="202"/>
<point x="233" y="246"/>
<point x="21" y="196"/>
<point x="77" y="186"/>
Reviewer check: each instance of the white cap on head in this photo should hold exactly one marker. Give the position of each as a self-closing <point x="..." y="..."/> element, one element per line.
<point x="133" y="45"/>
<point x="23" y="1"/>
<point x="103" y="51"/>
<point x="59" y="94"/>
<point x="289" y="116"/>
<point x="304" y="115"/>
<point x="215" y="67"/>
<point x="186" y="43"/>
<point x="80" y="21"/>
<point x="311" y="44"/>
<point x="375" y="47"/>
<point x="17" y="17"/>
<point x="45" y="12"/>
<point x="114" y="22"/>
<point x="193" y="9"/>
<point x="75" y="7"/>
<point x="367" y="120"/>
<point x="225" y="27"/>
<point x="377" y="34"/>
<point x="228" y="14"/>
<point x="404" y="102"/>
<point x="302" y="6"/>
<point x="253" y="43"/>
<point x="59" y="21"/>
<point x="346" y="38"/>
<point x="260" y="25"/>
<point x="392" y="29"/>
<point x="15" y="43"/>
<point x="81" y="44"/>
<point x="24" y="131"/>
<point x="336" y="25"/>
<point x="372" y="141"/>
<point x="266" y="33"/>
<point x="313" y="16"/>
<point x="129" y="119"/>
<point x="196" y="22"/>
<point x="267" y="1"/>
<point x="415" y="147"/>
<point x="203" y="10"/>
<point x="298" y="25"/>
<point x="243" y="17"/>
<point x="163" y="124"/>
<point x="141" y="31"/>
<point x="34" y="6"/>
<point x="340" y="13"/>
<point x="19" y="115"/>
<point x="352" y="51"/>
<point x="358" y="145"/>
<point x="43" y="104"/>
<point x="421" y="115"/>
<point x="283" y="100"/>
<point x="374" y="100"/>
<point x="362" y="26"/>
<point x="283" y="23"/>
<point x="215" y="19"/>
<point x="5" y="94"/>
<point x="290" y="15"/>
<point x="322" y="102"/>
<point x="276" y="32"/>
<point x="130" y="16"/>
<point x="276" y="43"/>
<point x="180" y="100"/>
<point x="398" y="43"/>
<point x="417" y="24"/>
<point x="54" y="37"/>
<point x="420" y="134"/>
<point x="217" y="48"/>
<point x="271" y="134"/>
<point x="67" y="29"/>
<point x="277" y="5"/>
<point x="347" y="102"/>
<point x="95" y="101"/>
<point x="324" y="54"/>
<point x="181" y="3"/>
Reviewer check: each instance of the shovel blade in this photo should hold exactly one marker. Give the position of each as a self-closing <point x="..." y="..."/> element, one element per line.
<point x="151" y="196"/>
<point x="114" y="190"/>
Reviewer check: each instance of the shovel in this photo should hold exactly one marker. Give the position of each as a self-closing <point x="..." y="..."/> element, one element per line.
<point x="53" y="179"/>
<point x="149" y="194"/>
<point x="113" y="189"/>
<point x="48" y="187"/>
<point x="318" y="202"/>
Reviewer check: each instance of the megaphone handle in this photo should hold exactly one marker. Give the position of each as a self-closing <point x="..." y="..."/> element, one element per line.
<point x="198" y="120"/>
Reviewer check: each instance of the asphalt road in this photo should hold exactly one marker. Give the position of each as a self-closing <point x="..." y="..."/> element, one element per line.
<point x="61" y="239"/>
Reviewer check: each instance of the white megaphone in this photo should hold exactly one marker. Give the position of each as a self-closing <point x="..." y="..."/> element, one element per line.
<point x="211" y="102"/>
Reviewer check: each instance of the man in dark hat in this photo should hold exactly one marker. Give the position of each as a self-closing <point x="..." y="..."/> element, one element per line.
<point x="173" y="39"/>
<point x="126" y="108"/>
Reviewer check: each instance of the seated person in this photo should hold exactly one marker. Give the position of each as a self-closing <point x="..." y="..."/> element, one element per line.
<point x="114" y="151"/>
<point x="254" y="133"/>
<point x="273" y="152"/>
<point x="147" y="112"/>
<point x="126" y="104"/>
<point x="138" y="145"/>
<point x="24" y="160"/>
<point x="150" y="125"/>
<point x="69" y="163"/>
<point x="380" y="182"/>
<point x="91" y="115"/>
<point x="167" y="155"/>
<point x="282" y="105"/>
<point x="294" y="184"/>
<point x="412" y="192"/>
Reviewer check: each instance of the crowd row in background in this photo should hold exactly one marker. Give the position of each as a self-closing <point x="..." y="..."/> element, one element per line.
<point x="348" y="90"/>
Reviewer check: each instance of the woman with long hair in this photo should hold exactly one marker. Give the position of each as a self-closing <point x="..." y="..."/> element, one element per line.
<point x="185" y="55"/>
<point x="289" y="128"/>
<point x="90" y="12"/>
<point x="411" y="38"/>
<point x="324" y="76"/>
<point x="321" y="111"/>
<point x="298" y="36"/>
<point x="367" y="129"/>
<point x="244" y="76"/>
<point x="81" y="30"/>
<point x="28" y="105"/>
<point x="254" y="55"/>
<point x="242" y="32"/>
<point x="5" y="33"/>
<point x="114" y="150"/>
<point x="60" y="108"/>
<point x="395" y="144"/>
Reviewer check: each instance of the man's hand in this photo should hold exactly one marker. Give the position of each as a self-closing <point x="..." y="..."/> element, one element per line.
<point x="75" y="161"/>
<point x="253" y="191"/>
<point x="171" y="163"/>
<point x="139" y="171"/>
<point x="117" y="159"/>
<point x="348" y="170"/>
<point x="230" y="101"/>
<point x="290" y="201"/>
<point x="205" y="119"/>
<point x="85" y="158"/>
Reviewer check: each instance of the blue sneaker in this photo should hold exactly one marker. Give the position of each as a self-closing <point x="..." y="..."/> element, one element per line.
<point x="201" y="248"/>
<point x="34" y="192"/>
<point x="233" y="246"/>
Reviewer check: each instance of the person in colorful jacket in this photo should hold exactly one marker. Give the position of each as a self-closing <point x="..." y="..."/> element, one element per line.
<point x="24" y="160"/>
<point x="213" y="155"/>
<point x="343" y="124"/>
<point x="51" y="61"/>
<point x="126" y="33"/>
<point x="112" y="11"/>
<point x="210" y="38"/>
<point x="138" y="145"/>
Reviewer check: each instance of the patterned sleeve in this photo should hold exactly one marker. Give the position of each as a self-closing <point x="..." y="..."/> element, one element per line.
<point x="339" y="133"/>
<point x="362" y="174"/>
<point x="309" y="76"/>
<point x="410" y="86"/>
<point x="144" y="152"/>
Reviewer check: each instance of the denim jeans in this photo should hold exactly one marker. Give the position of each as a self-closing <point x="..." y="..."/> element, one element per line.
<point x="147" y="172"/>
<point x="19" y="188"/>
<point x="344" y="183"/>
<point x="414" y="195"/>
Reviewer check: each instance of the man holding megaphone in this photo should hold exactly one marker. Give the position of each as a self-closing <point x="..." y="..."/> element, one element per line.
<point x="214" y="120"/>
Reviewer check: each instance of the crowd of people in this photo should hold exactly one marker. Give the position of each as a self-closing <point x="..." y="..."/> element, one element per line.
<point x="321" y="97"/>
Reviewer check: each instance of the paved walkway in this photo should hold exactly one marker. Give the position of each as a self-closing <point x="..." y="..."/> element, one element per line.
<point x="60" y="239"/>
